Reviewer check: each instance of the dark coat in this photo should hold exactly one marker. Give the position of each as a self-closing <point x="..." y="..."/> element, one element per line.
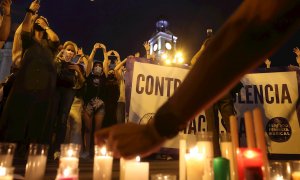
<point x="29" y="108"/>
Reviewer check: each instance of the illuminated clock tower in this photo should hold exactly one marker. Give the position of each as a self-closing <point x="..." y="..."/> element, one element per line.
<point x="163" y="41"/>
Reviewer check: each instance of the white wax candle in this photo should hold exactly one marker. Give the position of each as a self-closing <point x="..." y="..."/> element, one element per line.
<point x="4" y="174"/>
<point x="102" y="167"/>
<point x="277" y="177"/>
<point x="122" y="166"/>
<point x="296" y="175"/>
<point x="71" y="162"/>
<point x="35" y="167"/>
<point x="206" y="148"/>
<point x="250" y="135"/>
<point x="261" y="140"/>
<point x="136" y="171"/>
<point x="208" y="170"/>
<point x="182" y="152"/>
<point x="7" y="177"/>
<point x="227" y="152"/>
<point x="6" y="160"/>
<point x="67" y="174"/>
<point x="194" y="164"/>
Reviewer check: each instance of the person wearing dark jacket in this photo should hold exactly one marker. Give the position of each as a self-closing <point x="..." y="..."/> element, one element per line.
<point x="28" y="112"/>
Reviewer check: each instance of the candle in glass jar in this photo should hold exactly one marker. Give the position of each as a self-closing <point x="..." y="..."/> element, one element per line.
<point x="6" y="154"/>
<point x="227" y="152"/>
<point x="67" y="174"/>
<point x="35" y="167"/>
<point x="277" y="177"/>
<point x="136" y="170"/>
<point x="206" y="148"/>
<point x="71" y="162"/>
<point x="102" y="164"/>
<point x="194" y="164"/>
<point x="6" y="173"/>
<point x="36" y="162"/>
<point x="123" y="166"/>
<point x="249" y="159"/>
<point x="182" y="152"/>
<point x="296" y="175"/>
<point x="221" y="168"/>
<point x="6" y="160"/>
<point x="69" y="155"/>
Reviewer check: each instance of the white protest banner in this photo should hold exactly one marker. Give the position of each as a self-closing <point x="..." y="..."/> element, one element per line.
<point x="276" y="93"/>
<point x="152" y="85"/>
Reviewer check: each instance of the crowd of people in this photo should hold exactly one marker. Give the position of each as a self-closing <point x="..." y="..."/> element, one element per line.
<point x="55" y="93"/>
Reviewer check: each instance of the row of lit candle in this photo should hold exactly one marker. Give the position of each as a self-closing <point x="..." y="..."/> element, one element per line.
<point x="236" y="163"/>
<point x="68" y="164"/>
<point x="196" y="165"/>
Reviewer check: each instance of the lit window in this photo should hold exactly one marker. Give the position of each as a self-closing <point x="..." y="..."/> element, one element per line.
<point x="168" y="46"/>
<point x="155" y="47"/>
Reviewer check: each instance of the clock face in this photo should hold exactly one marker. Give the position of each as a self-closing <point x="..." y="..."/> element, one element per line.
<point x="168" y="46"/>
<point x="155" y="47"/>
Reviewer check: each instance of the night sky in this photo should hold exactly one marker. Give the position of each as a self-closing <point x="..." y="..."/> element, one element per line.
<point x="124" y="25"/>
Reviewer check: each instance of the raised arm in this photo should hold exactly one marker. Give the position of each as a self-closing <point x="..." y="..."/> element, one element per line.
<point x="91" y="58"/>
<point x="105" y="61"/>
<point x="6" y="19"/>
<point x="147" y="48"/>
<point x="297" y="52"/>
<point x="119" y="65"/>
<point x="32" y="10"/>
<point x="52" y="36"/>
<point x="197" y="55"/>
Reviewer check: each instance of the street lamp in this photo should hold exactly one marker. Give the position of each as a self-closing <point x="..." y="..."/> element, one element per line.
<point x="176" y="58"/>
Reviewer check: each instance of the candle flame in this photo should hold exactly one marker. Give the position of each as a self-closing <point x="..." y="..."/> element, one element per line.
<point x="194" y="150"/>
<point x="250" y="154"/>
<point x="70" y="152"/>
<point x="195" y="153"/>
<point x="138" y="159"/>
<point x="67" y="172"/>
<point x="278" y="177"/>
<point x="289" y="169"/>
<point x="103" y="151"/>
<point x="2" y="171"/>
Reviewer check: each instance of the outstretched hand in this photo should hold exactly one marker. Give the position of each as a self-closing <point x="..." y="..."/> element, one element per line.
<point x="268" y="62"/>
<point x="41" y="23"/>
<point x="5" y="7"/>
<point x="34" y="6"/>
<point x="97" y="46"/>
<point x="147" y="45"/>
<point x="130" y="140"/>
<point x="296" y="51"/>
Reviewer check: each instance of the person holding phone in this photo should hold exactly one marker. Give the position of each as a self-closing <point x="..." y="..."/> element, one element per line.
<point x="28" y="113"/>
<point x="112" y="88"/>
